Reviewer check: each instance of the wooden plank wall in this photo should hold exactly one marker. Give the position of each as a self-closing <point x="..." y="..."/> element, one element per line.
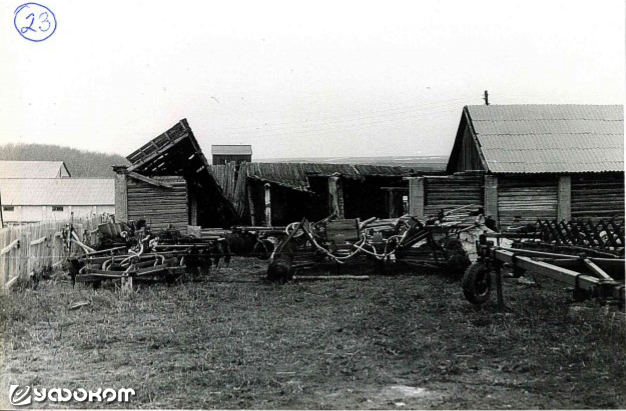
<point x="30" y="248"/>
<point x="227" y="176"/>
<point x="468" y="156"/>
<point x="597" y="196"/>
<point x="159" y="206"/>
<point x="528" y="198"/>
<point x="453" y="191"/>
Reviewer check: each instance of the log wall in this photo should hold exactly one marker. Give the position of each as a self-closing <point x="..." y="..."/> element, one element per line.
<point x="159" y="206"/>
<point x="453" y="191"/>
<point x="524" y="200"/>
<point x="597" y="196"/>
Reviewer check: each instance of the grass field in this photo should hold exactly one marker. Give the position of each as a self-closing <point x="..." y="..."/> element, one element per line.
<point x="231" y="340"/>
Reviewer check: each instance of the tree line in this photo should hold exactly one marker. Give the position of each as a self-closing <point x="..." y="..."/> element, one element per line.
<point x="80" y="163"/>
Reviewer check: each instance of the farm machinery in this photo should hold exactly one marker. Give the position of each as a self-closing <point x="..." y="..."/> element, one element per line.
<point x="132" y="251"/>
<point x="587" y="256"/>
<point x="406" y="240"/>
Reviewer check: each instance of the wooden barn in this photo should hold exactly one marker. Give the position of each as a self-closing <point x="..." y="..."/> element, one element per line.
<point x="170" y="183"/>
<point x="281" y="193"/>
<point x="544" y="161"/>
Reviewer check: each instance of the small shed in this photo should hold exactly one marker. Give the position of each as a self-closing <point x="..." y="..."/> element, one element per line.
<point x="223" y="154"/>
<point x="544" y="161"/>
<point x="170" y="183"/>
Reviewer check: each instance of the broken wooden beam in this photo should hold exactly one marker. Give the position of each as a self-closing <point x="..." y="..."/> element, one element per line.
<point x="148" y="180"/>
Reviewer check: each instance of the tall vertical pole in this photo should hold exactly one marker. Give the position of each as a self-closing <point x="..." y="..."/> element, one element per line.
<point x="486" y="98"/>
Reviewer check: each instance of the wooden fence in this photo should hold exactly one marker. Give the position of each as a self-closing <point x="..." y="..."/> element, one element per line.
<point x="31" y="248"/>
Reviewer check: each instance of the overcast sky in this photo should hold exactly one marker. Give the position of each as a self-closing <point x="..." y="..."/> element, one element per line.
<point x="299" y="79"/>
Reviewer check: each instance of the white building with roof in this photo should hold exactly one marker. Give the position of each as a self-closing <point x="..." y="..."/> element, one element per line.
<point x="34" y="191"/>
<point x="30" y="200"/>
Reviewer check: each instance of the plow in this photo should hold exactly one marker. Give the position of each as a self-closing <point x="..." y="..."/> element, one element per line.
<point x="587" y="257"/>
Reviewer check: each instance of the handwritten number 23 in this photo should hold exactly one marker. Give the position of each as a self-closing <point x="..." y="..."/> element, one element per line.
<point x="31" y="16"/>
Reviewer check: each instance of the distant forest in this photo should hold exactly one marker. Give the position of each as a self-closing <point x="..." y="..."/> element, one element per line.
<point x="80" y="163"/>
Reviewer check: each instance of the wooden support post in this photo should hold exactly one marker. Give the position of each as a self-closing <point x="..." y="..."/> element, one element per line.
<point x="564" y="201"/>
<point x="416" y="196"/>
<point x="390" y="203"/>
<point x="250" y="203"/>
<point x="335" y="193"/>
<point x="193" y="207"/>
<point x="121" y="194"/>
<point x="491" y="196"/>
<point x="268" y="205"/>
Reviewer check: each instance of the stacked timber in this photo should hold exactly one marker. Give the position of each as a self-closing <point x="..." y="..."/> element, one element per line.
<point x="597" y="197"/>
<point x="450" y="192"/>
<point x="159" y="206"/>
<point x="523" y="201"/>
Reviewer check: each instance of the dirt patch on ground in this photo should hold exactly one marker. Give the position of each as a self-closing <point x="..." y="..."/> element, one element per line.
<point x="232" y="340"/>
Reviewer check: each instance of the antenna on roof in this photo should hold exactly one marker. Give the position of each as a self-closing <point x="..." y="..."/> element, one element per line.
<point x="486" y="98"/>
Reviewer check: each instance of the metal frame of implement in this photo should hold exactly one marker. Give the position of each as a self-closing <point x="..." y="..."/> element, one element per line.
<point x="590" y="277"/>
<point x="306" y="246"/>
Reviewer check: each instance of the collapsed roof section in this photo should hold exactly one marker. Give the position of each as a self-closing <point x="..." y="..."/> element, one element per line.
<point x="296" y="175"/>
<point x="176" y="152"/>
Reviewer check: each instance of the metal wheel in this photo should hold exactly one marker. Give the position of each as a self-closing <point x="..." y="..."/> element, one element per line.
<point x="476" y="283"/>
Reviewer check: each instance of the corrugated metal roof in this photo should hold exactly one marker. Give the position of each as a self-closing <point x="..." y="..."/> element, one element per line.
<point x="33" y="169"/>
<point x="550" y="138"/>
<point x="58" y="191"/>
<point x="231" y="150"/>
<point x="295" y="175"/>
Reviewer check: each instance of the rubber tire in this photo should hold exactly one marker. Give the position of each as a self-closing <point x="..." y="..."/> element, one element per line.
<point x="476" y="284"/>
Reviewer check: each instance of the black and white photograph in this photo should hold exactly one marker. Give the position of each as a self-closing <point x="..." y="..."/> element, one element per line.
<point x="329" y="205"/>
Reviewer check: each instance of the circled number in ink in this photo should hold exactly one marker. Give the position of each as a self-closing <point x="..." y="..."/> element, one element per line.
<point x="34" y="21"/>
